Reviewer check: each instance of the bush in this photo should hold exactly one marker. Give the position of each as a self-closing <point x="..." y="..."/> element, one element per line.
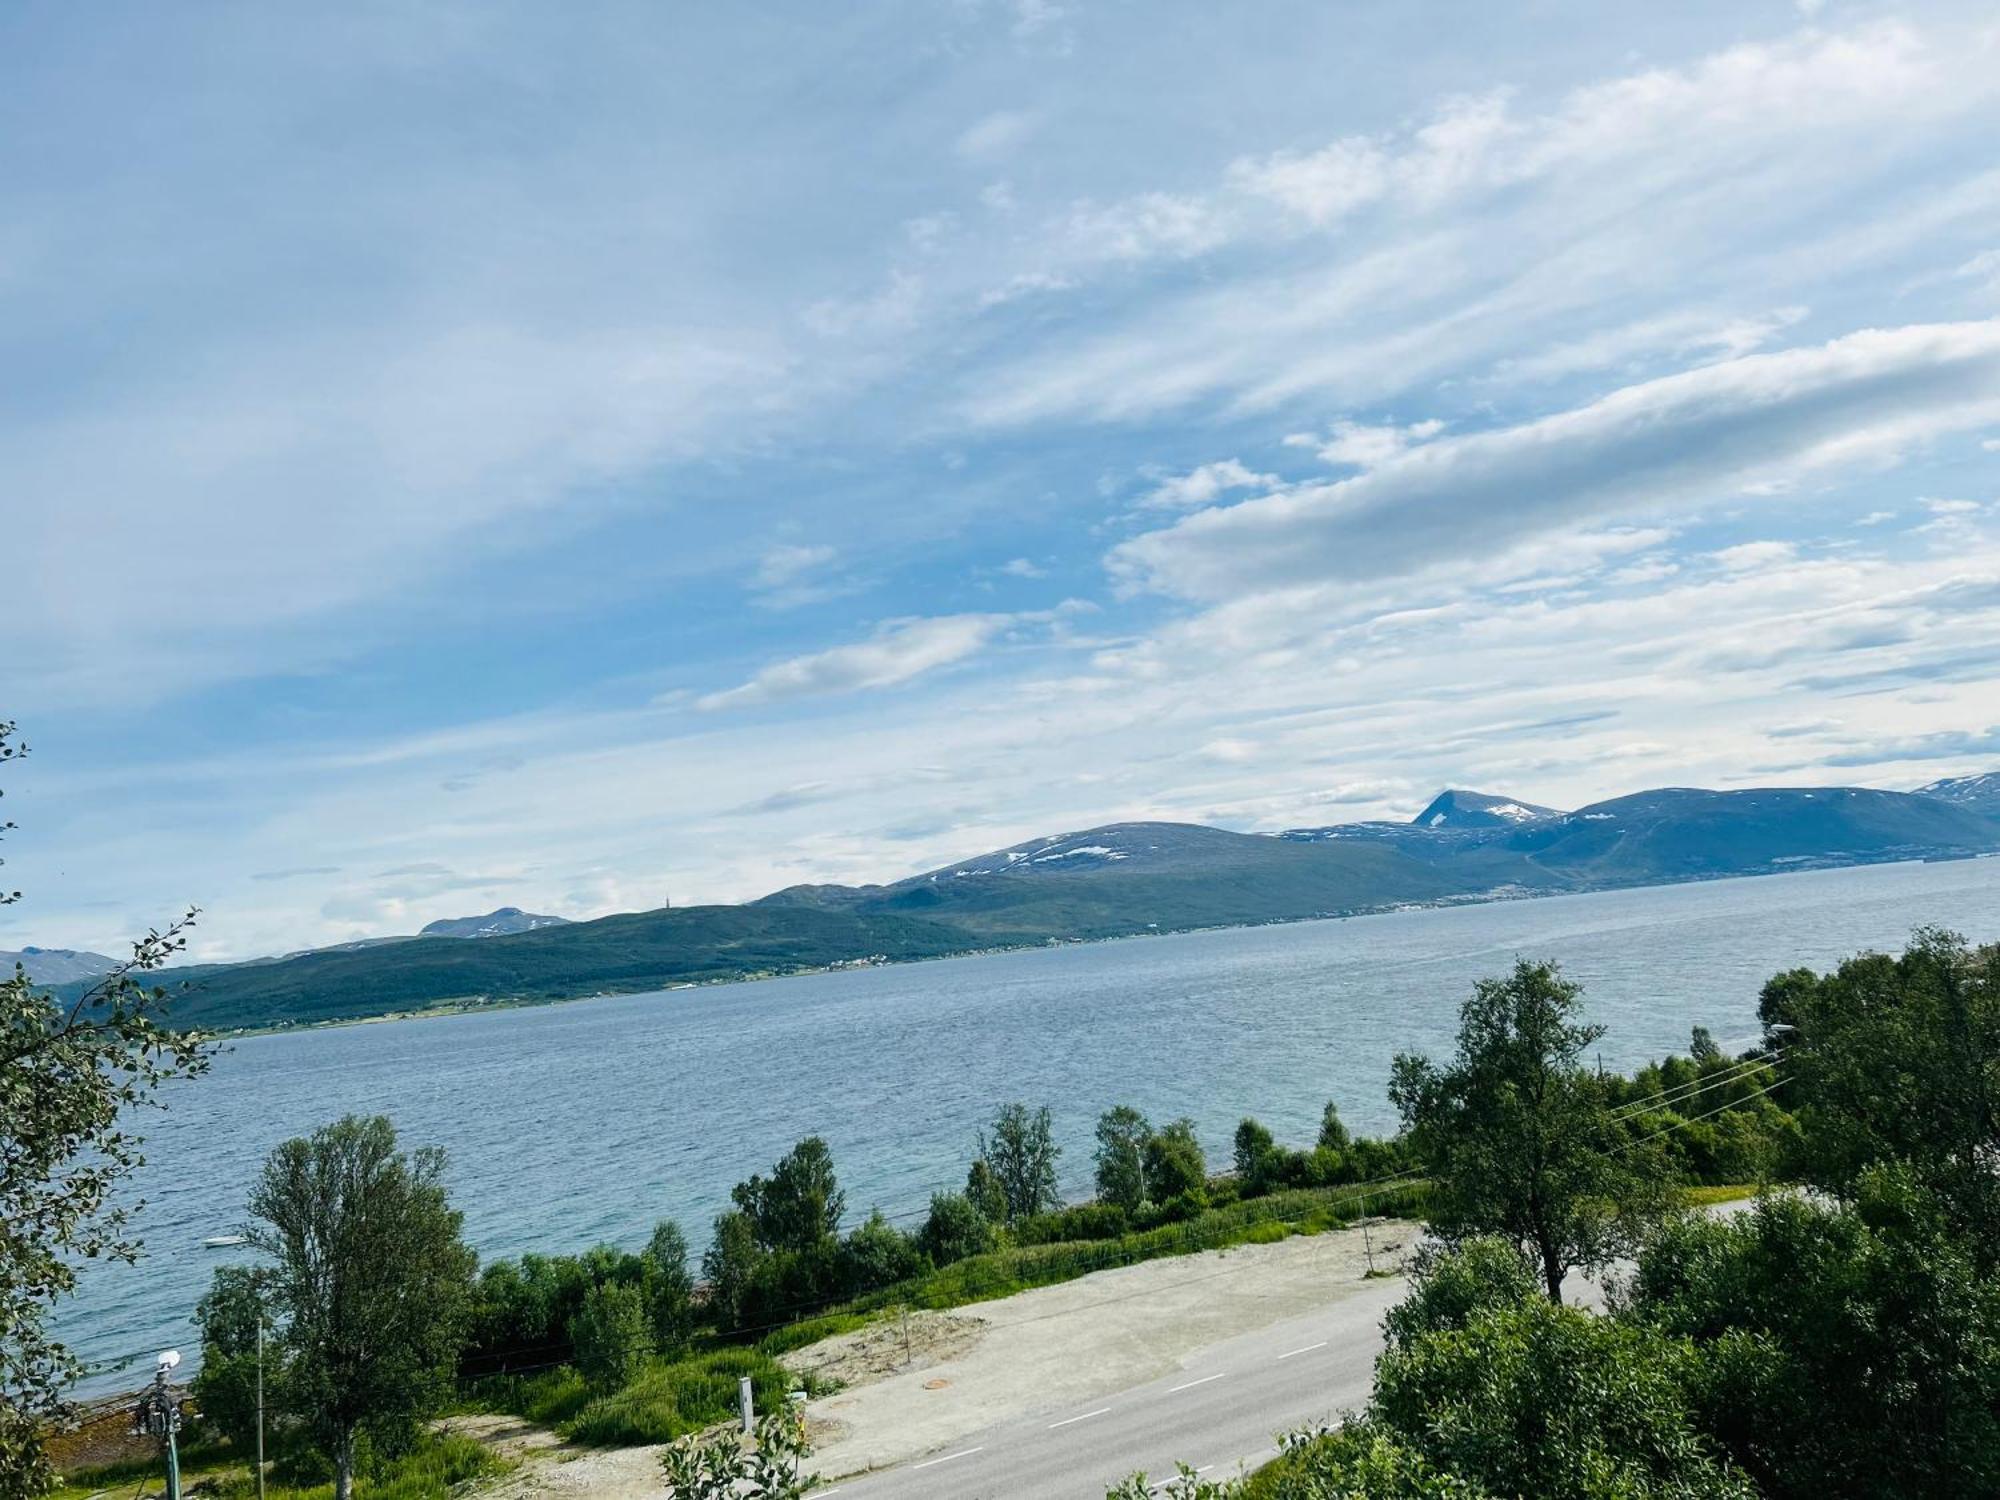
<point x="669" y="1399"/>
<point x="611" y="1335"/>
<point x="955" y="1230"/>
<point x="877" y="1255"/>
<point x="1175" y="1167"/>
<point x="1086" y="1221"/>
<point x="669" y="1287"/>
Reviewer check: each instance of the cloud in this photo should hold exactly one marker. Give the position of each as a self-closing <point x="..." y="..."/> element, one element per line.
<point x="1202" y="486"/>
<point x="1748" y="557"/>
<point x="785" y="564"/>
<point x="898" y="652"/>
<point x="1678" y="441"/>
<point x="1357" y="445"/>
<point x="1022" y="567"/>
<point x="995" y="134"/>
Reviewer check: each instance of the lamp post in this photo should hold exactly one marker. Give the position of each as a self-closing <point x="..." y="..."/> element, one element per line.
<point x="159" y="1413"/>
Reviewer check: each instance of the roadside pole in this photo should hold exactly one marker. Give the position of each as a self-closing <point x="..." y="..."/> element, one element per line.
<point x="260" y="1397"/>
<point x="906" y="1334"/>
<point x="748" y="1400"/>
<point x="159" y="1413"/>
<point x="1368" y="1243"/>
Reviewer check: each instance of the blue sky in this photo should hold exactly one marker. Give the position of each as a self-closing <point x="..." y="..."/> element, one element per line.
<point x="583" y="456"/>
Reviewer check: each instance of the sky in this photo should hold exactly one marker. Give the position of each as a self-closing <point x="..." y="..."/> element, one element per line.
<point x="584" y="457"/>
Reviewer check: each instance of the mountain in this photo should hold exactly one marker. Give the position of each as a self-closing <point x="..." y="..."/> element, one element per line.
<point x="494" y="924"/>
<point x="1461" y="809"/>
<point x="1113" y="880"/>
<point x="57" y="965"/>
<point x="1981" y="793"/>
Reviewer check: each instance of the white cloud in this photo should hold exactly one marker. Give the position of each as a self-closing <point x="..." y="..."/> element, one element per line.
<point x="1360" y="446"/>
<point x="787" y="563"/>
<point x="1676" y="441"/>
<point x="1021" y="567"/>
<point x="995" y="134"/>
<point x="1203" y="485"/>
<point x="898" y="652"/>
<point x="1750" y="557"/>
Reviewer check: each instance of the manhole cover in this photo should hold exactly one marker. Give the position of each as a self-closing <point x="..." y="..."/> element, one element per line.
<point x="936" y="1385"/>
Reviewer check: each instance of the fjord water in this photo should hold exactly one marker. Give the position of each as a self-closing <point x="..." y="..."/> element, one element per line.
<point x="572" y="1124"/>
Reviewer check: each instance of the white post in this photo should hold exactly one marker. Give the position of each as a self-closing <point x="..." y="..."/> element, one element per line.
<point x="749" y="1405"/>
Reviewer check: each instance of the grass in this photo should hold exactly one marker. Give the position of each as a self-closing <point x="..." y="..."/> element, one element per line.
<point x="1727" y="1192"/>
<point x="671" y="1398"/>
<point x="434" y="1469"/>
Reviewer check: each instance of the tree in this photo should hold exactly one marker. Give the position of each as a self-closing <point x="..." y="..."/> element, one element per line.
<point x="954" y="1230"/>
<point x="1702" y="1047"/>
<point x="225" y="1391"/>
<point x="610" y="1334"/>
<point x="1121" y="1161"/>
<point x="1333" y="1134"/>
<point x="729" y="1266"/>
<point x="669" y="1287"/>
<point x="371" y="1278"/>
<point x="1176" y="1170"/>
<point x="71" y="1077"/>
<point x="800" y="1206"/>
<point x="1849" y="1350"/>
<point x="984" y="1193"/>
<point x="877" y="1254"/>
<point x="1021" y="1155"/>
<point x="1518" y="1136"/>
<point x="1898" y="1059"/>
<point x="1256" y="1152"/>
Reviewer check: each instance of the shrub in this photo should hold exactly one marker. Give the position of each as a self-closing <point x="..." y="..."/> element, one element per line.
<point x="611" y="1334"/>
<point x="1175" y="1167"/>
<point x="955" y="1230"/>
<point x="877" y="1255"/>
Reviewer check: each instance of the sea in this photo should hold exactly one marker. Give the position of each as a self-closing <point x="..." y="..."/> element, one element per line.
<point x="587" y="1122"/>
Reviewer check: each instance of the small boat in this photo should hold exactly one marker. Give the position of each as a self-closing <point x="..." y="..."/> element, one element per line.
<point x="223" y="1241"/>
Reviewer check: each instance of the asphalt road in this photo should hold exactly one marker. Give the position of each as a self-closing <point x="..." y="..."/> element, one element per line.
<point x="1220" y="1412"/>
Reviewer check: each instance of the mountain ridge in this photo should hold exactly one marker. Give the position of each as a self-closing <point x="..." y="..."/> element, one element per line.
<point x="1116" y="879"/>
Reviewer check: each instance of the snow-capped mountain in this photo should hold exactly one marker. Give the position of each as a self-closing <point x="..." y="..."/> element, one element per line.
<point x="494" y="924"/>
<point x="1457" y="808"/>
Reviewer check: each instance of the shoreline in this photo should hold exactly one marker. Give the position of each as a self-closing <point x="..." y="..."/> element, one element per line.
<point x="1498" y="896"/>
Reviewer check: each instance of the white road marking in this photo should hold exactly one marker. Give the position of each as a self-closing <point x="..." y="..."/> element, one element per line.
<point x="933" y="1462"/>
<point x="1193" y="1383"/>
<point x="1084" y="1418"/>
<point x="1307" y="1350"/>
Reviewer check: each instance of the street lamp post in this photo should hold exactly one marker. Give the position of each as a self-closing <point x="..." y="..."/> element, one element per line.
<point x="159" y="1413"/>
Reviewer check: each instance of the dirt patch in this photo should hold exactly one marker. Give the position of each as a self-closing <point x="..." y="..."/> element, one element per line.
<point x="894" y="1346"/>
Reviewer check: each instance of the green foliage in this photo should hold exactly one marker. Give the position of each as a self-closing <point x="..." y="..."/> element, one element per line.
<point x="1540" y="1399"/>
<point x="723" y="1468"/>
<point x="1176" y="1170"/>
<point x="955" y="1230"/>
<point x="611" y="1334"/>
<point x="1080" y="1221"/>
<point x="72" y="1077"/>
<point x="1519" y="1137"/>
<point x="1450" y="1287"/>
<point x="877" y="1255"/>
<point x="1359" y="1462"/>
<point x="522" y="1310"/>
<point x="1898" y="1059"/>
<point x="1020" y="1154"/>
<point x="669" y="1399"/>
<point x="1121" y="1169"/>
<point x="800" y="1206"/>
<point x="1185" y="1485"/>
<point x="669" y="1288"/>
<point x="730" y="1266"/>
<point x="1849" y="1350"/>
<point x="984" y="1193"/>
<point x="225" y="1389"/>
<point x="1255" y="1153"/>
<point x="1333" y="1134"/>
<point x="371" y="1278"/>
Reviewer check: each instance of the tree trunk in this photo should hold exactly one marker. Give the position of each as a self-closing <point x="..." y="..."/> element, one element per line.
<point x="343" y="1466"/>
<point x="1552" y="1274"/>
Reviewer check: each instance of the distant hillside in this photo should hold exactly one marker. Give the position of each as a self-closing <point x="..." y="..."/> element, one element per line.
<point x="56" y="965"/>
<point x="494" y="924"/>
<point x="1118" y="879"/>
<point x="631" y="952"/>
<point x="1461" y="809"/>
<point x="1981" y="793"/>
